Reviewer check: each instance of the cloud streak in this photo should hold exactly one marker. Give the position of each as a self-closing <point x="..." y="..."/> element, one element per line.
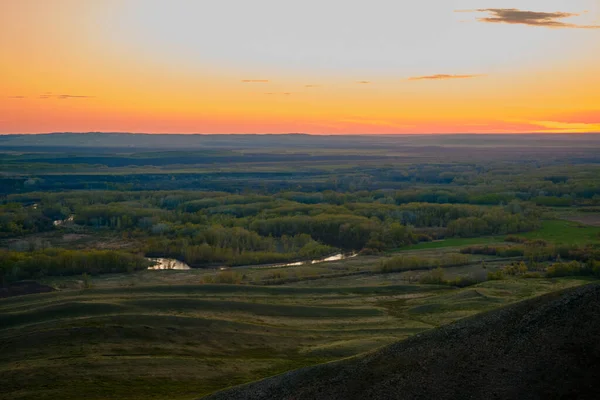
<point x="514" y="16"/>
<point x="16" y="97"/>
<point x="255" y="81"/>
<point x="63" y="96"/>
<point x="439" y="77"/>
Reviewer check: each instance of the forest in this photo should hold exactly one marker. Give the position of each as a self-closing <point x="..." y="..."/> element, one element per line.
<point x="226" y="204"/>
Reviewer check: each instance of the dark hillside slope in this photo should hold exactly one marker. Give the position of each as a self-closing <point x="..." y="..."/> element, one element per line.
<point x="543" y="348"/>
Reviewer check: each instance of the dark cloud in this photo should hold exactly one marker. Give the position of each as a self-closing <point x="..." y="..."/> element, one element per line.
<point x="255" y="81"/>
<point x="63" y="96"/>
<point x="441" y="77"/>
<point x="532" y="18"/>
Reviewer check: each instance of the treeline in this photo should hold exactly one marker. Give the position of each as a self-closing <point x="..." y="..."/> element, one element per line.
<point x="560" y="269"/>
<point x="438" y="277"/>
<point x="207" y="228"/>
<point x="59" y="262"/>
<point x="15" y="220"/>
<point x="491" y="183"/>
<point x="414" y="263"/>
<point x="500" y="251"/>
<point x="574" y="268"/>
<point x="233" y="246"/>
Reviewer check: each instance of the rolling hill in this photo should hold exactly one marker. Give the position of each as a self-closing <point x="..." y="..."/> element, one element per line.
<point x="546" y="347"/>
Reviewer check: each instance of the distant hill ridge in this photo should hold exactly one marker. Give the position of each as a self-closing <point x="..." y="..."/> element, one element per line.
<point x="287" y="141"/>
<point x="543" y="348"/>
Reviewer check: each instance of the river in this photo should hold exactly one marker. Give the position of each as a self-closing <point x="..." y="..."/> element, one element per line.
<point x="168" y="263"/>
<point x="171" y="263"/>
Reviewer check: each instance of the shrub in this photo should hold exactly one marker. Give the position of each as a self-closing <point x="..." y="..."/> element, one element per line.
<point x="463" y="281"/>
<point x="573" y="268"/>
<point x="496" y="275"/>
<point x="404" y="263"/>
<point x="516" y="239"/>
<point x="500" y="251"/>
<point x="435" y="277"/>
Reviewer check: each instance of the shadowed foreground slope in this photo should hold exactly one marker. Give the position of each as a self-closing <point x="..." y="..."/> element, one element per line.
<point x="547" y="347"/>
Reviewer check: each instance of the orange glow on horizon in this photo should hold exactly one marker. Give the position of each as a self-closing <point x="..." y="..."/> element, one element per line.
<point x="64" y="72"/>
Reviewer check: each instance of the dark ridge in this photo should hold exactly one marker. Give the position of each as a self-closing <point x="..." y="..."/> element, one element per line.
<point x="543" y="348"/>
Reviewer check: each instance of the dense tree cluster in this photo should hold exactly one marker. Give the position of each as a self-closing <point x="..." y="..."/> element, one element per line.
<point x="269" y="208"/>
<point x="15" y="220"/>
<point x="59" y="262"/>
<point x="208" y="228"/>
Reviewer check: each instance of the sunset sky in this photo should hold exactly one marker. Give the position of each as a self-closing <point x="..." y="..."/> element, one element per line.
<point x="313" y="66"/>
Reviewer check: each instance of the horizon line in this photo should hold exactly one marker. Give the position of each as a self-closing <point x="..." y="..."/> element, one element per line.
<point x="295" y="133"/>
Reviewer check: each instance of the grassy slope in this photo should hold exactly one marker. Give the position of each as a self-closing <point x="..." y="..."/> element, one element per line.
<point x="541" y="348"/>
<point x="180" y="342"/>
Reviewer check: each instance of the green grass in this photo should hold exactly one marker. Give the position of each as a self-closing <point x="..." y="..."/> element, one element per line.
<point x="555" y="231"/>
<point x="185" y="341"/>
<point x="565" y="232"/>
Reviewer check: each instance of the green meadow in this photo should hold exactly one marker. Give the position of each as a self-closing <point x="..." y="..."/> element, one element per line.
<point x="183" y="341"/>
<point x="565" y="232"/>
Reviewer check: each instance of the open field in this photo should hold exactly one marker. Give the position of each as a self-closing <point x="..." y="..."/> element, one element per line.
<point x="181" y="342"/>
<point x="565" y="232"/>
<point x="570" y="229"/>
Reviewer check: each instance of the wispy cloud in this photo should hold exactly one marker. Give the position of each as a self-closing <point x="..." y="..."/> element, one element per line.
<point x="532" y="18"/>
<point x="16" y="97"/>
<point x="442" y="77"/>
<point x="63" y="96"/>
<point x="279" y="93"/>
<point x="255" y="80"/>
<point x="569" y="127"/>
<point x="581" y="117"/>
<point x="312" y="86"/>
<point x="364" y="82"/>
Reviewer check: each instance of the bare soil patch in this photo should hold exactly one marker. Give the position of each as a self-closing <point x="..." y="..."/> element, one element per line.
<point x="586" y="219"/>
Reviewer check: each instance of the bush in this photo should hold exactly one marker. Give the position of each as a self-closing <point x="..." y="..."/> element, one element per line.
<point x="463" y="281"/>
<point x="516" y="269"/>
<point x="435" y="277"/>
<point x="495" y="276"/>
<point x="516" y="239"/>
